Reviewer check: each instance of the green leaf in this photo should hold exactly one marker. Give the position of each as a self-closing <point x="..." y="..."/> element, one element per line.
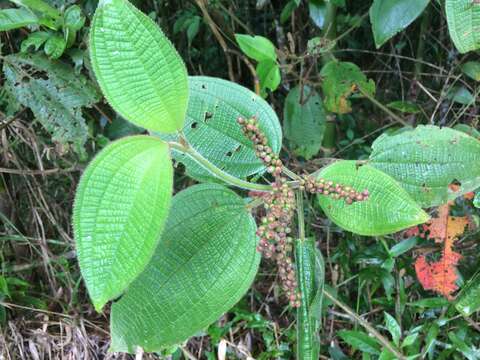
<point x="472" y="70"/>
<point x="137" y="68"/>
<point x="319" y="45"/>
<point x="470" y="353"/>
<point x="389" y="17"/>
<point x="468" y="301"/>
<point x="212" y="130"/>
<point x="55" y="46"/>
<point x="304" y="121"/>
<point x="426" y="160"/>
<point x="317" y="10"/>
<point x="463" y="17"/>
<point x="193" y="28"/>
<point x="388" y="209"/>
<point x="403" y="246"/>
<point x="461" y="95"/>
<point x="269" y="76"/>
<point x="120" y="209"/>
<point x="40" y="7"/>
<point x="288" y="10"/>
<point x="393" y="328"/>
<point x="256" y="47"/>
<point x="467" y="129"/>
<point x="430" y="303"/>
<point x="360" y="341"/>
<point x="16" y="18"/>
<point x="204" y="264"/>
<point x="405" y="107"/>
<point x="476" y="200"/>
<point x="73" y="18"/>
<point x="387" y="355"/>
<point x="340" y="81"/>
<point x="53" y="92"/>
<point x="311" y="278"/>
<point x="35" y="39"/>
<point x="410" y="339"/>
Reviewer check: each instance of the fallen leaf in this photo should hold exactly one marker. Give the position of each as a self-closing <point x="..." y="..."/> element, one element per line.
<point x="441" y="276"/>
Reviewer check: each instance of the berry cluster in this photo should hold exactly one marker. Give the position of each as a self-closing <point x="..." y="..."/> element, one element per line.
<point x="329" y="188"/>
<point x="279" y="204"/>
<point x="274" y="231"/>
<point x="260" y="143"/>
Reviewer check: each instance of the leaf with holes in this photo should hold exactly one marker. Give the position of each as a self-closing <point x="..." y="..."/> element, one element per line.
<point x="120" y="209"/>
<point x="204" y="264"/>
<point x="340" y="81"/>
<point x="388" y="209"/>
<point x="211" y="128"/>
<point x="53" y="92"/>
<point x="463" y="18"/>
<point x="304" y="121"/>
<point x="137" y="68"/>
<point x="389" y="17"/>
<point x="427" y="159"/>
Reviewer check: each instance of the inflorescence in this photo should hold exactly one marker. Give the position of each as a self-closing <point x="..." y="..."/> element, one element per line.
<point x="334" y="190"/>
<point x="274" y="230"/>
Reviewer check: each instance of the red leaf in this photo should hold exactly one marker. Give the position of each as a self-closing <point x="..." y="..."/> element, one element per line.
<point x="441" y="276"/>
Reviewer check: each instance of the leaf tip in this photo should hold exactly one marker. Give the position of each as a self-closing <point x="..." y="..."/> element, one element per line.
<point x="422" y="217"/>
<point x="98" y="305"/>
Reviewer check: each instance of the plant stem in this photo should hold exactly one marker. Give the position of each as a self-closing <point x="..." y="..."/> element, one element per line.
<point x="300" y="216"/>
<point x="290" y="173"/>
<point x="353" y="315"/>
<point x="424" y="27"/>
<point x="330" y="29"/>
<point x="382" y="107"/>
<point x="330" y="32"/>
<point x="215" y="171"/>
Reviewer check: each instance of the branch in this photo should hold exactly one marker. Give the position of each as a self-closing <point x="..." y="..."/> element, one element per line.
<point x="354" y="316"/>
<point x="215" y="171"/>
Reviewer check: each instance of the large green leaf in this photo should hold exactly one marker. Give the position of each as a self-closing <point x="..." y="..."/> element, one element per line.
<point x="463" y="17"/>
<point x="426" y="160"/>
<point x="388" y="209"/>
<point x="121" y="205"/>
<point x="137" y="67"/>
<point x="204" y="264"/>
<point x="389" y="17"/>
<point x="53" y="92"/>
<point x="16" y="18"/>
<point x="211" y="127"/>
<point x="304" y="121"/>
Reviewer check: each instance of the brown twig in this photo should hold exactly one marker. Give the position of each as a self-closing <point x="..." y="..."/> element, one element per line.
<point x="203" y="8"/>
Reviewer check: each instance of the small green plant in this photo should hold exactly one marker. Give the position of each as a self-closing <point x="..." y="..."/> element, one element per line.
<point x="174" y="264"/>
